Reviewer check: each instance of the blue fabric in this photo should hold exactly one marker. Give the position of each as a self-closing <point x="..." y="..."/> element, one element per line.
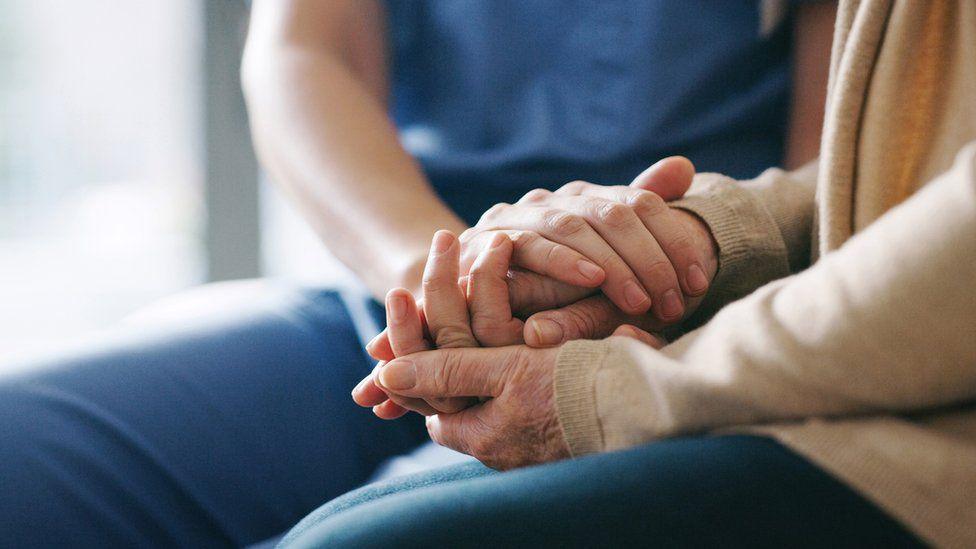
<point x="226" y="430"/>
<point x="496" y="97"/>
<point x="216" y="431"/>
<point x="732" y="491"/>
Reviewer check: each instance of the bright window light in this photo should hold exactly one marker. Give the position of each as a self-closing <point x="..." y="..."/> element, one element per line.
<point x="100" y="171"/>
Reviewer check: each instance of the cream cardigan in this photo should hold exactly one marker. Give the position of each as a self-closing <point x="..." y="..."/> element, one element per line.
<point x="864" y="361"/>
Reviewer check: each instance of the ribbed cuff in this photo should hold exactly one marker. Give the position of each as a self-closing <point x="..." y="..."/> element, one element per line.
<point x="575" y="394"/>
<point x="751" y="249"/>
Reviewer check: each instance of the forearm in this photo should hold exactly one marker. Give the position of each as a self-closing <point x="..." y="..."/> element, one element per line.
<point x="324" y="136"/>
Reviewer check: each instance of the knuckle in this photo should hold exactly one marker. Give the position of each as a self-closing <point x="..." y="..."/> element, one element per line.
<point x="481" y="269"/>
<point x="523" y="239"/>
<point x="513" y="363"/>
<point x="487" y="274"/>
<point x="479" y="276"/>
<point x="528" y="295"/>
<point x="488" y="331"/>
<point x="555" y="253"/>
<point x="577" y="323"/>
<point x="452" y="336"/>
<point x="681" y="245"/>
<point x="535" y="195"/>
<point x="615" y="214"/>
<point x="662" y="271"/>
<point x="494" y="212"/>
<point x="434" y="283"/>
<point x="648" y="203"/>
<point x="445" y="376"/>
<point x="611" y="262"/>
<point x="565" y="224"/>
<point x="573" y="187"/>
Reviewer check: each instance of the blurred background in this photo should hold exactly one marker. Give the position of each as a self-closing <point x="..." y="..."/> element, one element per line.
<point x="126" y="168"/>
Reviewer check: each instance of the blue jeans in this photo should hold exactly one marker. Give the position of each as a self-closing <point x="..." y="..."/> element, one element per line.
<point x="225" y="427"/>
<point x="729" y="491"/>
<point x="219" y="430"/>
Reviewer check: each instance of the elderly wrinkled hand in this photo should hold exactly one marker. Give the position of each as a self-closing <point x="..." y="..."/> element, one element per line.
<point x="514" y="422"/>
<point x="546" y="288"/>
<point x="495" y="404"/>
<point x="448" y="314"/>
<point x="498" y="291"/>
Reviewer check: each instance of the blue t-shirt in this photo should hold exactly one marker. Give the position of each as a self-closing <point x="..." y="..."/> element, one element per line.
<point x="497" y="97"/>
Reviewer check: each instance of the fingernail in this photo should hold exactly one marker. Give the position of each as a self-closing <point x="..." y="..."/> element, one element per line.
<point x="671" y="305"/>
<point x="697" y="281"/>
<point x="442" y="241"/>
<point x="398" y="308"/>
<point x="635" y="296"/>
<point x="399" y="375"/>
<point x="548" y="332"/>
<point x="590" y="271"/>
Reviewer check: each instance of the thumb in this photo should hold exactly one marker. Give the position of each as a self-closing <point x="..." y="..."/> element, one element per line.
<point x="595" y="317"/>
<point x="669" y="177"/>
<point x="453" y="372"/>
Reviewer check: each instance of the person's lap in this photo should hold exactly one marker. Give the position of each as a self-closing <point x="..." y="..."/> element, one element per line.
<point x="226" y="428"/>
<point x="704" y="491"/>
<point x="223" y="429"/>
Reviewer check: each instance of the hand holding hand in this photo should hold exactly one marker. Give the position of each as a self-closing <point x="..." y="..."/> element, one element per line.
<point x="493" y="291"/>
<point x="449" y="313"/>
<point x="450" y="324"/>
<point x="597" y="317"/>
<point x="515" y="425"/>
<point x="648" y="254"/>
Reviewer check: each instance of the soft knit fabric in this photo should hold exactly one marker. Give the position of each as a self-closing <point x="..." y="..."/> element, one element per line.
<point x="864" y="361"/>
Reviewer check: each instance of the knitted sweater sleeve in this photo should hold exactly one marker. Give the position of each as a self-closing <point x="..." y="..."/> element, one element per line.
<point x="763" y="227"/>
<point x="884" y="324"/>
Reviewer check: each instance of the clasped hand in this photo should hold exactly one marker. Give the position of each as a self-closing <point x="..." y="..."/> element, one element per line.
<point x="498" y="404"/>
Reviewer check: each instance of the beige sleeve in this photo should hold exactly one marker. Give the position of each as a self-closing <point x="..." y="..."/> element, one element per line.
<point x="763" y="227"/>
<point x="886" y="323"/>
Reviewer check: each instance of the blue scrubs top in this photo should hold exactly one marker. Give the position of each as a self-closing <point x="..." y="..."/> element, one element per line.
<point x="497" y="97"/>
